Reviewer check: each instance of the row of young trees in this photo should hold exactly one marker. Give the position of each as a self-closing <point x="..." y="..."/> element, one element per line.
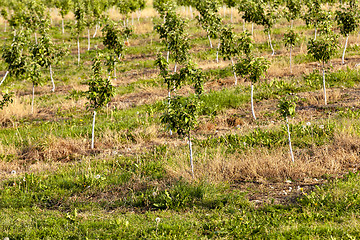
<point x="181" y="116"/>
<point x="26" y="58"/>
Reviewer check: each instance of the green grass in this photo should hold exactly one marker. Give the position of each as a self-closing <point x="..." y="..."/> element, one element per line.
<point x="197" y="210"/>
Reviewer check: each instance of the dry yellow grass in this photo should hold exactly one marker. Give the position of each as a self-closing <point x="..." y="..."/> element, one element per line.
<point x="20" y="108"/>
<point x="270" y="165"/>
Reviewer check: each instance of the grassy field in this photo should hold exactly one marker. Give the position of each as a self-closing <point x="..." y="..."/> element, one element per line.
<point x="137" y="183"/>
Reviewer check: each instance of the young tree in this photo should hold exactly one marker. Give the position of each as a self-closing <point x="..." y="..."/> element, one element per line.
<point x="290" y="39"/>
<point x="64" y="6"/>
<point x="232" y="46"/>
<point x="293" y="10"/>
<point x="286" y="108"/>
<point x="230" y="4"/>
<point x="99" y="93"/>
<point x="173" y="35"/>
<point x="115" y="45"/>
<point x="252" y="68"/>
<point x="315" y="16"/>
<point x="323" y="49"/>
<point x="348" y="22"/>
<point x="14" y="56"/>
<point x="267" y="16"/>
<point x="182" y="113"/>
<point x="35" y="76"/>
<point x="250" y="12"/>
<point x="181" y="116"/>
<point x="46" y="53"/>
<point x="209" y="18"/>
<point x="79" y="12"/>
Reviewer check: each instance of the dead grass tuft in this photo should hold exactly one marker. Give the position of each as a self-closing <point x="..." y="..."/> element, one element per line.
<point x="20" y="108"/>
<point x="54" y="149"/>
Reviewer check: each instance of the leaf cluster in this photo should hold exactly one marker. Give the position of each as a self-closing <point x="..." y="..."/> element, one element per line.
<point x="14" y="56"/>
<point x="290" y="38"/>
<point x="232" y="45"/>
<point x="261" y="12"/>
<point x="100" y="89"/>
<point x="129" y="6"/>
<point x="181" y="115"/>
<point x="6" y="99"/>
<point x="293" y="10"/>
<point x="209" y="18"/>
<point x="323" y="48"/>
<point x="252" y="68"/>
<point x="112" y="38"/>
<point x="173" y="35"/>
<point x="348" y="20"/>
<point x="287" y="105"/>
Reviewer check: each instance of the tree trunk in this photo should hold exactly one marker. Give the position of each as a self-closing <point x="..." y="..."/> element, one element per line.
<point x="325" y="98"/>
<point x="175" y="68"/>
<point x="343" y="56"/>
<point x="96" y="29"/>
<point x="290" y="58"/>
<point x="224" y="11"/>
<point x="32" y="101"/>
<point x="139" y="15"/>
<point x="88" y="39"/>
<point x="115" y="71"/>
<point x="252" y="29"/>
<point x="315" y="33"/>
<point x="78" y="43"/>
<point x="191" y="12"/>
<point x="191" y="156"/>
<point x="62" y="26"/>
<point x="211" y="46"/>
<point x="93" y="131"/>
<point x="52" y="79"/>
<point x="233" y="65"/>
<point x="252" y="101"/>
<point x="272" y="49"/>
<point x="167" y="56"/>
<point x="169" y="99"/>
<point x="231" y="15"/>
<point x="7" y="72"/>
<point x="217" y="53"/>
<point x="289" y="137"/>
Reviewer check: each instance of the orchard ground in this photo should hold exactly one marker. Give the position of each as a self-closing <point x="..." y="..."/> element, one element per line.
<point x="137" y="182"/>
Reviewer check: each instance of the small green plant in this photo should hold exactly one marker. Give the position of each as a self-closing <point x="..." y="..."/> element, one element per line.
<point x="181" y="116"/>
<point x="348" y="22"/>
<point x="252" y="69"/>
<point x="232" y="46"/>
<point x="6" y="99"/>
<point x="100" y="91"/>
<point x="323" y="49"/>
<point x="209" y="18"/>
<point x="290" y="39"/>
<point x="286" y="108"/>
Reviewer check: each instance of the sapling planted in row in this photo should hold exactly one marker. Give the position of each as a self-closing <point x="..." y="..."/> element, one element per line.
<point x="323" y="49"/>
<point x="99" y="93"/>
<point x="348" y="22"/>
<point x="286" y="108"/>
<point x="253" y="69"/>
<point x="290" y="39"/>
